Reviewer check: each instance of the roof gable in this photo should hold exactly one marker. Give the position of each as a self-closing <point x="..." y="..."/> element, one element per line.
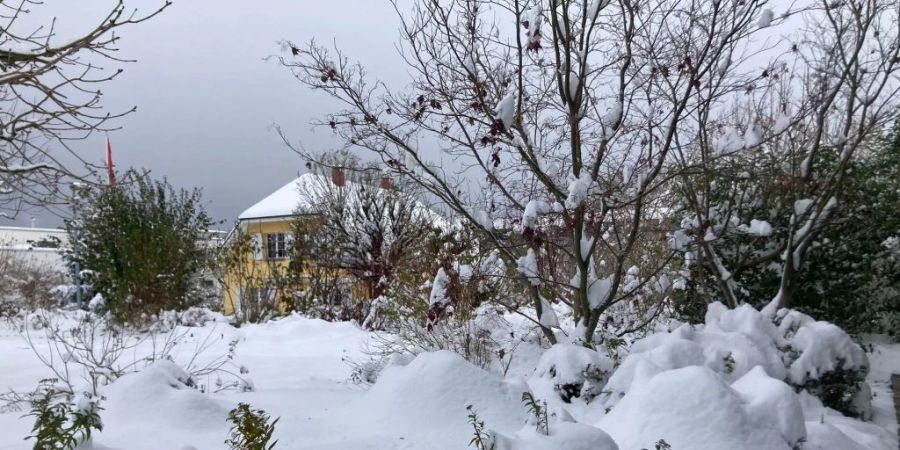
<point x="302" y="193"/>
<point x="287" y="199"/>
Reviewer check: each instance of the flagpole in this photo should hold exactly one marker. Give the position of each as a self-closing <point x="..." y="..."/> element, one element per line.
<point x="110" y="167"/>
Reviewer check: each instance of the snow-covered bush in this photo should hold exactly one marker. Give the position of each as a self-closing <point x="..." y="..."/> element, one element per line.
<point x="355" y="241"/>
<point x="25" y="284"/>
<point x="694" y="407"/>
<point x="822" y="359"/>
<point x="849" y="267"/>
<point x="191" y="317"/>
<point x="572" y="371"/>
<point x="470" y="338"/>
<point x="459" y="310"/>
<point x="196" y="317"/>
<point x="790" y="347"/>
<point x="89" y="351"/>
<point x="366" y="372"/>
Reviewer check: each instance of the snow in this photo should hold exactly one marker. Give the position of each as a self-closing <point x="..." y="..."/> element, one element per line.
<point x="533" y="209"/>
<point x="574" y="83"/>
<point x="690" y="407"/>
<point x="563" y="435"/>
<point x="483" y="218"/>
<point x="802" y="206"/>
<point x="765" y="18"/>
<point x="578" y="190"/>
<point x="430" y="395"/>
<point x="595" y="7"/>
<point x="728" y="143"/>
<point x="825" y="436"/>
<point x="162" y="388"/>
<point x="823" y="347"/>
<point x="506" y="109"/>
<point x="752" y="137"/>
<point x="757" y="228"/>
<point x="782" y="123"/>
<point x="569" y="364"/>
<point x="296" y="364"/>
<point x="885" y="361"/>
<point x="534" y="28"/>
<point x="672" y="385"/>
<point x="732" y="141"/>
<point x="598" y="291"/>
<point x="96" y="303"/>
<point x="724" y="65"/>
<point x="528" y="267"/>
<point x="747" y="349"/>
<point x="288" y="198"/>
<point x="304" y="194"/>
<point x="613" y="115"/>
<point x="548" y="315"/>
<point x="439" y="288"/>
<point x="773" y="403"/>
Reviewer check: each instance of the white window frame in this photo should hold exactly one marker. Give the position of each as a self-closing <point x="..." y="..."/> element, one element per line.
<point x="280" y="248"/>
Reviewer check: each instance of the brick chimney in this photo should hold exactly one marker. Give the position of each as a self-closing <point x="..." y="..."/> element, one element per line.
<point x="337" y="176"/>
<point x="386" y="182"/>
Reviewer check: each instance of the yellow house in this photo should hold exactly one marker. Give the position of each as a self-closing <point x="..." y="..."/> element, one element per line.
<point x="265" y="232"/>
<point x="269" y="225"/>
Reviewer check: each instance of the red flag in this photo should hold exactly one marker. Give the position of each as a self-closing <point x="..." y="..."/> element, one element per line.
<point x="109" y="163"/>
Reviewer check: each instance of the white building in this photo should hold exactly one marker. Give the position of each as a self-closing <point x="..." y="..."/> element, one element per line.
<point x="38" y="247"/>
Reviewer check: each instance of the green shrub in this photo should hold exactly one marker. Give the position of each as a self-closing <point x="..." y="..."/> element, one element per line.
<point x="141" y="243"/>
<point x="58" y="424"/>
<point x="251" y="429"/>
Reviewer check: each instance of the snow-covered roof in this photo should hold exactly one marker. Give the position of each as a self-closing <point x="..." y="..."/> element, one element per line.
<point x="302" y="193"/>
<point x="285" y="201"/>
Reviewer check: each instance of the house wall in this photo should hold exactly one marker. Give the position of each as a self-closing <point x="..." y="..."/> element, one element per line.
<point x="257" y="266"/>
<point x="260" y="268"/>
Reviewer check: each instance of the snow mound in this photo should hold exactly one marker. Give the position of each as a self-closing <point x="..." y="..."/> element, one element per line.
<point x="564" y="435"/>
<point x="296" y="327"/>
<point x="773" y="403"/>
<point x="669" y="352"/>
<point x="436" y="388"/>
<point x="827" y="429"/>
<point x="693" y="408"/>
<point x="162" y="395"/>
<point x="825" y="436"/>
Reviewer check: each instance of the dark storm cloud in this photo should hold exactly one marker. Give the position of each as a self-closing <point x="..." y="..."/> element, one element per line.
<point x="207" y="99"/>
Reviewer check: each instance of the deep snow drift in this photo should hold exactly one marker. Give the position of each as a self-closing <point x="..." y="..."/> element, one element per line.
<point x="722" y="385"/>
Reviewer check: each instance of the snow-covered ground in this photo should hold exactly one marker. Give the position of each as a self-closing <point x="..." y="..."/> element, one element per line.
<point x="299" y="371"/>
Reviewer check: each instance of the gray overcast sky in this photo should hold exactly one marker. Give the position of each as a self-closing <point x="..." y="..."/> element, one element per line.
<point x="206" y="99"/>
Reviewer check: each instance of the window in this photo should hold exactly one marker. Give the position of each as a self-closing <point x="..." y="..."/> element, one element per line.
<point x="276" y="244"/>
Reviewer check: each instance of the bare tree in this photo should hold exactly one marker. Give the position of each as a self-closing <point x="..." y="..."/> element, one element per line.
<point x="368" y="225"/>
<point x="565" y="117"/>
<point x="50" y="95"/>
